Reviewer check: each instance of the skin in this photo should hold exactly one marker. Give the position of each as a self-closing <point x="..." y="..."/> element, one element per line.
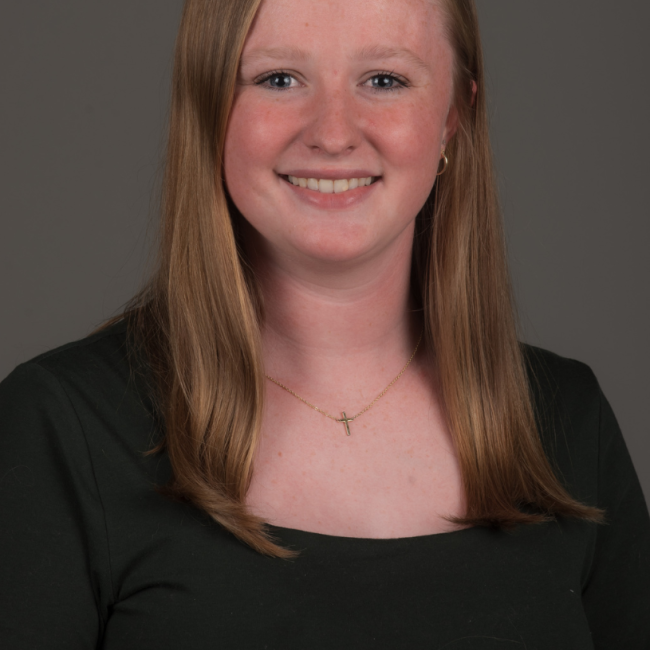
<point x="334" y="269"/>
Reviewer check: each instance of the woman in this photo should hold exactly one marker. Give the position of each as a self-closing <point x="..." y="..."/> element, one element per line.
<point x="324" y="376"/>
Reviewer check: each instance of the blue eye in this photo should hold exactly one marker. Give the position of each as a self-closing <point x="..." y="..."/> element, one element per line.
<point x="386" y="81"/>
<point x="277" y="80"/>
<point x="382" y="81"/>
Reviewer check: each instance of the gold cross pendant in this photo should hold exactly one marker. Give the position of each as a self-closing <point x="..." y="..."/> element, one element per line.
<point x="346" y="420"/>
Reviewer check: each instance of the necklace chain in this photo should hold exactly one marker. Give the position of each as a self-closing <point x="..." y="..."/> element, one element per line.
<point x="345" y="419"/>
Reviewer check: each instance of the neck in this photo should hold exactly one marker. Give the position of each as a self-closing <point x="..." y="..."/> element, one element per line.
<point x="340" y="322"/>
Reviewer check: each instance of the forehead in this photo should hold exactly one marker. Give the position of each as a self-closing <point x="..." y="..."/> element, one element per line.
<point x="341" y="27"/>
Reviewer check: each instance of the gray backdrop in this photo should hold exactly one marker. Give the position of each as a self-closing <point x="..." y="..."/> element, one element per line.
<point x="82" y="116"/>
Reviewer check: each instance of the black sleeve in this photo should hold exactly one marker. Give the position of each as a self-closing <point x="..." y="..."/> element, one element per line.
<point x="616" y="597"/>
<point x="53" y="536"/>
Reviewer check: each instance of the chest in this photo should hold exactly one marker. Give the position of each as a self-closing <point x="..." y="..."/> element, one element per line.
<point x="395" y="475"/>
<point x="470" y="589"/>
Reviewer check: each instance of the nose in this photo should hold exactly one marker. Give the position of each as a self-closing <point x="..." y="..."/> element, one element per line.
<point x="334" y="127"/>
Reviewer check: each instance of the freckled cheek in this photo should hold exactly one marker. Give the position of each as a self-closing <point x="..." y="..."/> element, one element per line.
<point x="256" y="137"/>
<point x="408" y="140"/>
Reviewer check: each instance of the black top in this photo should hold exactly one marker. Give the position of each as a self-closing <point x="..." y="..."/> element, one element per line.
<point x="91" y="556"/>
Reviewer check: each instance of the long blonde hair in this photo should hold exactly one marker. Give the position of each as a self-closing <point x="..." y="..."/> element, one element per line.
<point x="198" y="319"/>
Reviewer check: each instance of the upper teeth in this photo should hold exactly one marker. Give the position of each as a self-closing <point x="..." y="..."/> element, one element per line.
<point x="328" y="186"/>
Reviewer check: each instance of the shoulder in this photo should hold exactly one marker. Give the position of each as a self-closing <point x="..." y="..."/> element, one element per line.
<point x="568" y="405"/>
<point x="560" y="380"/>
<point x="94" y="357"/>
<point x="104" y="361"/>
<point x="84" y="386"/>
<point x="561" y="387"/>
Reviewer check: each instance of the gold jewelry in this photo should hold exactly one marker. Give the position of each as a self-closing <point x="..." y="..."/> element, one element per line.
<point x="345" y="419"/>
<point x="444" y="169"/>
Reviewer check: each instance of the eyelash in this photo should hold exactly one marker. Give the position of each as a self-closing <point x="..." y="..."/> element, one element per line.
<point x="403" y="83"/>
<point x="270" y="75"/>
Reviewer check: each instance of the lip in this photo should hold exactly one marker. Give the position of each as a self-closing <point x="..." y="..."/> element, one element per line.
<point x="323" y="201"/>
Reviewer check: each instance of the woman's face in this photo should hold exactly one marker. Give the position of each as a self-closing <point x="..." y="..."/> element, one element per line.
<point x="332" y="93"/>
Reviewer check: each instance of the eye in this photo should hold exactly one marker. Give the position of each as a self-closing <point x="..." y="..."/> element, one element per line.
<point x="277" y="80"/>
<point x="386" y="81"/>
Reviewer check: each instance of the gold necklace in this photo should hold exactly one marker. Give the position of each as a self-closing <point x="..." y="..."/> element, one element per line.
<point x="345" y="419"/>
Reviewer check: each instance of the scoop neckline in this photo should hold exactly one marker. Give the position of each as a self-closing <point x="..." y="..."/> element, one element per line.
<point x="344" y="539"/>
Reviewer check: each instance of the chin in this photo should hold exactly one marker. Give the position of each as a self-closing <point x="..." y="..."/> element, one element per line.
<point x="345" y="245"/>
<point x="335" y="250"/>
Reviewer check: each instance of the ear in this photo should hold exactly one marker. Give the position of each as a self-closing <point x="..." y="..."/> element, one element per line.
<point x="474" y="90"/>
<point x="450" y="125"/>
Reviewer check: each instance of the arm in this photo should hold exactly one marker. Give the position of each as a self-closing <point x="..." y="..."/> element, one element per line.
<point x="52" y="537"/>
<point x="616" y="596"/>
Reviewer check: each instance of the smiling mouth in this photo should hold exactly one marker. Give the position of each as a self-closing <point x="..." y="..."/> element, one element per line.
<point x="329" y="186"/>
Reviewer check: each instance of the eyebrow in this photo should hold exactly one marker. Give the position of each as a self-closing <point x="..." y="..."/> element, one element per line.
<point x="275" y="53"/>
<point x="366" y="53"/>
<point x="382" y="52"/>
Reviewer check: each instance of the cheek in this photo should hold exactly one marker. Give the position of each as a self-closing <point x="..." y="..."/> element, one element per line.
<point x="409" y="139"/>
<point x="256" y="135"/>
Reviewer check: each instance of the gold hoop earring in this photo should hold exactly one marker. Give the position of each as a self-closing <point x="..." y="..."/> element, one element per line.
<point x="446" y="160"/>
